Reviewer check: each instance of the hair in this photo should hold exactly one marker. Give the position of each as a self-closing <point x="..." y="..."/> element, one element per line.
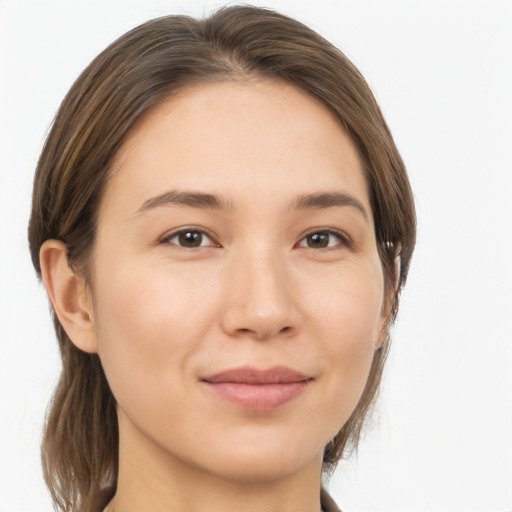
<point x="141" y="69"/>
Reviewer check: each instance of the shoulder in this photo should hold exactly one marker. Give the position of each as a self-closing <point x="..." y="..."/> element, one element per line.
<point x="328" y="504"/>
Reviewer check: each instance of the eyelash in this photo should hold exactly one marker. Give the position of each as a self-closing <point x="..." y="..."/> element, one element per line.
<point x="167" y="239"/>
<point x="344" y="241"/>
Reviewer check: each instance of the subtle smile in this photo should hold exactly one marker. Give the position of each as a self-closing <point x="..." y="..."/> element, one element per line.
<point x="255" y="389"/>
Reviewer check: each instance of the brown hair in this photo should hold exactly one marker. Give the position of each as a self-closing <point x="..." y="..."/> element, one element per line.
<point x="139" y="70"/>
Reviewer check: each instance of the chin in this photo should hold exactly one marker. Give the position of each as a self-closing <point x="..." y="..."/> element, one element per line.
<point x="258" y="462"/>
<point x="259" y="471"/>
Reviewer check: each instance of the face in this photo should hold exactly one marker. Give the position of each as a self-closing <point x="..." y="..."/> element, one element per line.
<point x="236" y="283"/>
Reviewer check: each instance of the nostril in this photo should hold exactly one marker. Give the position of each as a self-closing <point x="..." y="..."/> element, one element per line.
<point x="264" y="335"/>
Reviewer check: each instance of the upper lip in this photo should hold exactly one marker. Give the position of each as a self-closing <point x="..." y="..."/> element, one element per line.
<point x="250" y="375"/>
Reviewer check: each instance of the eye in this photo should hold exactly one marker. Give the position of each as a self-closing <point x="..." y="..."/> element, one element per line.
<point x="323" y="240"/>
<point x="189" y="239"/>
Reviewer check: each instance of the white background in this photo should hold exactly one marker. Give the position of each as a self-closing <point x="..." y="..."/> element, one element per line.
<point x="442" y="436"/>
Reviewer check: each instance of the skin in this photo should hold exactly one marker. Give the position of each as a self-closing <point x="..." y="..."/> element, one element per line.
<point x="257" y="291"/>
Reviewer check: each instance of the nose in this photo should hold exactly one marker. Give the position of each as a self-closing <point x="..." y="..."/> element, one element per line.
<point x="260" y="298"/>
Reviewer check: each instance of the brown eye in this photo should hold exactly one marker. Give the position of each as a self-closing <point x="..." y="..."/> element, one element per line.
<point x="321" y="240"/>
<point x="189" y="239"/>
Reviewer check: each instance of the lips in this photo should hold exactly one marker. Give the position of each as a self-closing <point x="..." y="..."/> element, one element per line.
<point x="256" y="389"/>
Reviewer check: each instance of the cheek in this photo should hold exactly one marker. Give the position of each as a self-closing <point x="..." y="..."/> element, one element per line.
<point x="149" y="324"/>
<point x="349" y="322"/>
<point x="349" y="305"/>
<point x="154" y="321"/>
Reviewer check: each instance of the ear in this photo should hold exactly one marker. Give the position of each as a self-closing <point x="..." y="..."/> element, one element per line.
<point x="383" y="333"/>
<point x="386" y="313"/>
<point x="69" y="295"/>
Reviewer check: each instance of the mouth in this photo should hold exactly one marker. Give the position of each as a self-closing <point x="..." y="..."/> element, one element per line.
<point x="256" y="389"/>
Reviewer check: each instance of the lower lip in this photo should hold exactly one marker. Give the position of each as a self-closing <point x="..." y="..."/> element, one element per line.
<point x="261" y="397"/>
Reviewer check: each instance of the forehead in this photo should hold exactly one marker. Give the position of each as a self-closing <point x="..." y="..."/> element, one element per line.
<point x="255" y="137"/>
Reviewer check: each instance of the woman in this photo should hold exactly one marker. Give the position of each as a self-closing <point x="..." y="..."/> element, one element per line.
<point x="223" y="224"/>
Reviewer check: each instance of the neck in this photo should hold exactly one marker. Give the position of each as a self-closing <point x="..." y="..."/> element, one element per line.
<point x="152" y="480"/>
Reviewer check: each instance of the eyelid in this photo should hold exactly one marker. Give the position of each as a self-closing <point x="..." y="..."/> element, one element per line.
<point x="165" y="239"/>
<point x="344" y="238"/>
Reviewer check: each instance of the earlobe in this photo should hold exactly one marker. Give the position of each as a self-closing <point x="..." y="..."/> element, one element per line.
<point x="69" y="296"/>
<point x="383" y="335"/>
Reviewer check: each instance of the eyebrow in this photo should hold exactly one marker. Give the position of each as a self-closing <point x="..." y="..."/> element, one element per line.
<point x="317" y="200"/>
<point x="320" y="200"/>
<point x="191" y="199"/>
